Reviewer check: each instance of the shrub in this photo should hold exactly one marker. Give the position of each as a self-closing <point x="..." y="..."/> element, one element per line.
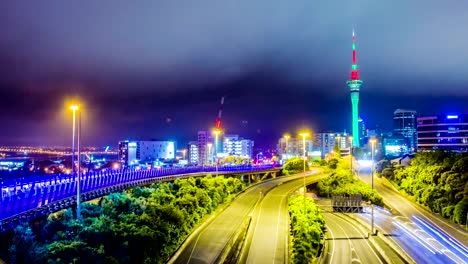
<point x="296" y="165"/>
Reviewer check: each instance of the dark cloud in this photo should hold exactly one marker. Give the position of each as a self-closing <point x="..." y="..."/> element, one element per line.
<point x="281" y="64"/>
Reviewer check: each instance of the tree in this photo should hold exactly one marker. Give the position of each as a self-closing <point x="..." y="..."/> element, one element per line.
<point x="337" y="150"/>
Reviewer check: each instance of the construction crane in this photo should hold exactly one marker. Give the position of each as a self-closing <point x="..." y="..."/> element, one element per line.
<point x="220" y="112"/>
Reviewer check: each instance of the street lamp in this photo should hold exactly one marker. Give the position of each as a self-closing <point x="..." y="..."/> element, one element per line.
<point x="351" y="152"/>
<point x="304" y="135"/>
<point x="209" y="145"/>
<point x="216" y="132"/>
<point x="287" y="137"/>
<point x="77" y="115"/>
<point x="372" y="141"/>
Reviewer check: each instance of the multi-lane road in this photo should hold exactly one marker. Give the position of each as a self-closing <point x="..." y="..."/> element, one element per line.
<point x="349" y="244"/>
<point x="269" y="234"/>
<point x="424" y="236"/>
<point x="207" y="243"/>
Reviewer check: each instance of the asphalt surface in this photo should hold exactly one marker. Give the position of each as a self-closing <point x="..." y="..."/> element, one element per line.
<point x="270" y="229"/>
<point x="348" y="243"/>
<point x="206" y="244"/>
<point x="424" y="236"/>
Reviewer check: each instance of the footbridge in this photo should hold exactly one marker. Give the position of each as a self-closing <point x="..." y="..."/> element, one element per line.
<point x="25" y="199"/>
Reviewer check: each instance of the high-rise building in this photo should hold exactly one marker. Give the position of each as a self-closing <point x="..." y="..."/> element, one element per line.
<point x="405" y="125"/>
<point x="325" y="142"/>
<point x="293" y="147"/>
<point x="354" y="85"/>
<point x="395" y="146"/>
<point x="362" y="131"/>
<point x="443" y="132"/>
<point x="143" y="152"/>
<point x="233" y="145"/>
<point x="192" y="147"/>
<point x="204" y="137"/>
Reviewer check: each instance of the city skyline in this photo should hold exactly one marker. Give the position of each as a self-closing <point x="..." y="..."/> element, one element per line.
<point x="143" y="77"/>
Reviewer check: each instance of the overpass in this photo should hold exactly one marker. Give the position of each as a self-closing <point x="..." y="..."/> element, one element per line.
<point x="25" y="199"/>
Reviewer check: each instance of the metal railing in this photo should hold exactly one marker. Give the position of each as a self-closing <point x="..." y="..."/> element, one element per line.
<point x="45" y="194"/>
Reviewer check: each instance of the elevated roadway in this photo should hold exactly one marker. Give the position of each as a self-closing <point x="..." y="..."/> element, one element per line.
<point x="27" y="198"/>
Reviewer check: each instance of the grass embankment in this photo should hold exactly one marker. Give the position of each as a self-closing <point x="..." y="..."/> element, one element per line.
<point x="140" y="225"/>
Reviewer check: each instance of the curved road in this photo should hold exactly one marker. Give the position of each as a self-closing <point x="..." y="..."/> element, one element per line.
<point x="206" y="244"/>
<point x="348" y="243"/>
<point x="270" y="236"/>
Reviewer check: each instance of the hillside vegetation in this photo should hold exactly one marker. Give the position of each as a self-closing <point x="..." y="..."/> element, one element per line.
<point x="141" y="225"/>
<point x="438" y="180"/>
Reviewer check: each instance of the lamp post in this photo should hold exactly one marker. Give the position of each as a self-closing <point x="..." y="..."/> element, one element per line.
<point x="372" y="141"/>
<point x="351" y="152"/>
<point x="304" y="135"/>
<point x="210" y="157"/>
<point x="77" y="113"/>
<point x="74" y="108"/>
<point x="183" y="153"/>
<point x="216" y="132"/>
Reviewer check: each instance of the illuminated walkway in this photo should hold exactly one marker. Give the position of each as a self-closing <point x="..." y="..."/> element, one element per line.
<point x="27" y="198"/>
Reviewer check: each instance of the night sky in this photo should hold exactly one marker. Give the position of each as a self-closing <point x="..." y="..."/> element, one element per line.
<point x="157" y="69"/>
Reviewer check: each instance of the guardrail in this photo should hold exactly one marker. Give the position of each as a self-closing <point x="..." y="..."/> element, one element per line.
<point x="28" y="197"/>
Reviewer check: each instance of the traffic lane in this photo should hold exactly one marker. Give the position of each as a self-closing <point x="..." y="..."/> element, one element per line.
<point x="270" y="238"/>
<point x="408" y="209"/>
<point x="350" y="244"/>
<point x="210" y="241"/>
<point x="409" y="242"/>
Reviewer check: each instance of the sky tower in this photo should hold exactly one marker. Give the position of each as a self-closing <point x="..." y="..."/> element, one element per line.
<point x="354" y="84"/>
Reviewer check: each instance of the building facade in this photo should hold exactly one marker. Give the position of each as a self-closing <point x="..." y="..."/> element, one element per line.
<point x="143" y="152"/>
<point x="325" y="143"/>
<point x="405" y="125"/>
<point x="192" y="152"/>
<point x="443" y="132"/>
<point x="395" y="146"/>
<point x="293" y="147"/>
<point x="204" y="137"/>
<point x="233" y="145"/>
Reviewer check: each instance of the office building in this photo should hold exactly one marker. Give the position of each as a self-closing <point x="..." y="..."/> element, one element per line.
<point x="192" y="152"/>
<point x="325" y="143"/>
<point x="233" y="145"/>
<point x="405" y="125"/>
<point x="145" y="152"/>
<point x="204" y="153"/>
<point x="293" y="147"/>
<point x="395" y="146"/>
<point x="362" y="132"/>
<point x="443" y="132"/>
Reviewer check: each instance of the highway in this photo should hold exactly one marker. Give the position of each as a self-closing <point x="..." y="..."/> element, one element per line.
<point x="424" y="236"/>
<point x="348" y="243"/>
<point x="270" y="229"/>
<point x="206" y="244"/>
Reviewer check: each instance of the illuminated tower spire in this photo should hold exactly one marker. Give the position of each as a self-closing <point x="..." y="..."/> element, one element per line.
<point x="354" y="84"/>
